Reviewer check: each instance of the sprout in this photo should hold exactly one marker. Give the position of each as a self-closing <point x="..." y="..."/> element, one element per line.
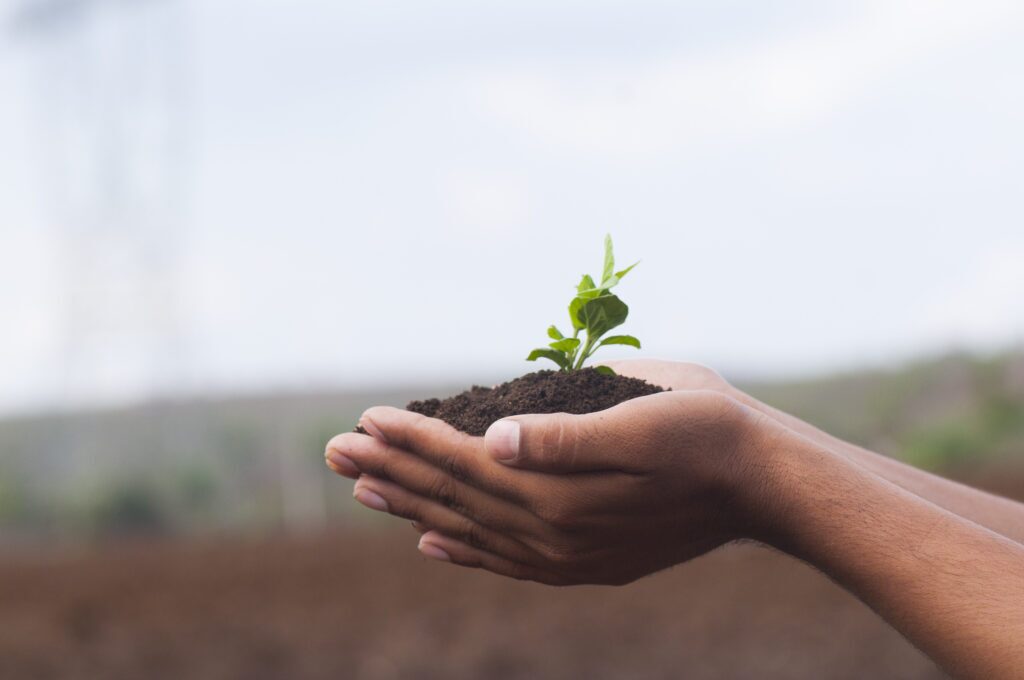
<point x="594" y="310"/>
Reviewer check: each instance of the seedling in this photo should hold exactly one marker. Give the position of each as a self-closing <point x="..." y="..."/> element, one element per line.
<point x="595" y="311"/>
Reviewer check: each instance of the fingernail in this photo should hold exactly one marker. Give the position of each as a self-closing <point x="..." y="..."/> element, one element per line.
<point x="502" y="440"/>
<point x="370" y="427"/>
<point x="343" y="464"/>
<point x="434" y="553"/>
<point x="370" y="500"/>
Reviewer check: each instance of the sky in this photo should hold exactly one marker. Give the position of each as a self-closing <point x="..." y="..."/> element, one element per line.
<point x="213" y="197"/>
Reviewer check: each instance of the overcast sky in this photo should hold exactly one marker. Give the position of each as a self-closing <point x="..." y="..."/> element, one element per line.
<point x="352" y="194"/>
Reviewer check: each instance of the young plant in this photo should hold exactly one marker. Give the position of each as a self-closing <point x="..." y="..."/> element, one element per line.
<point x="595" y="311"/>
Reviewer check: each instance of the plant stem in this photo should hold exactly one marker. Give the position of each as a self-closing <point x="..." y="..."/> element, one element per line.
<point x="572" y="354"/>
<point x="585" y="353"/>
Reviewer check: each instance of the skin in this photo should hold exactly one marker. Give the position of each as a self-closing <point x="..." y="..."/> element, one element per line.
<point x="609" y="497"/>
<point x="998" y="514"/>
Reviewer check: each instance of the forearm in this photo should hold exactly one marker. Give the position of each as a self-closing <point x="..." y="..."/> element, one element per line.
<point x="1001" y="515"/>
<point x="952" y="587"/>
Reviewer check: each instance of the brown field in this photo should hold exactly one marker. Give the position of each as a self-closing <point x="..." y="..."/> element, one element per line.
<point x="363" y="604"/>
<point x="359" y="602"/>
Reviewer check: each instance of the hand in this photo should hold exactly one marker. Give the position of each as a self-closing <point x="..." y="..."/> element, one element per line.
<point x="605" y="498"/>
<point x="675" y="375"/>
<point x="611" y="496"/>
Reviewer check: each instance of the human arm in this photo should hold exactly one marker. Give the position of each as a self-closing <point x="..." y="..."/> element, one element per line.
<point x="658" y="480"/>
<point x="1002" y="515"/>
<point x="953" y="588"/>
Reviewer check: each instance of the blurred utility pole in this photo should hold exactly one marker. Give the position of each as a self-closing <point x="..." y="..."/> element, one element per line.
<point x="112" y="94"/>
<point x="303" y="504"/>
<point x="113" y="99"/>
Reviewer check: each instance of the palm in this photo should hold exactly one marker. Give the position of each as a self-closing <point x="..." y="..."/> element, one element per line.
<point x="676" y="375"/>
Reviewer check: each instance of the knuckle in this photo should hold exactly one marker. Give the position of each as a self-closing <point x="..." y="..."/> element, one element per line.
<point x="584" y="434"/>
<point x="721" y="407"/>
<point x="473" y="535"/>
<point x="432" y="434"/>
<point x="559" y="515"/>
<point x="381" y="466"/>
<point x="402" y="507"/>
<point x="551" y="440"/>
<point x="450" y="464"/>
<point x="551" y="513"/>
<point x="557" y="440"/>
<point x="563" y="522"/>
<point x="567" y="440"/>
<point x="442" y="489"/>
<point x="419" y="430"/>
<point x="560" y="555"/>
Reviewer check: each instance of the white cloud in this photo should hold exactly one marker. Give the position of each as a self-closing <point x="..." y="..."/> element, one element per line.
<point x="482" y="202"/>
<point x="662" y="104"/>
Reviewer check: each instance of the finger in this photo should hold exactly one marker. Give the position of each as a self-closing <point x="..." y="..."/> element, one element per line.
<point x="438" y="546"/>
<point x="431" y="439"/>
<point x="340" y="463"/>
<point x="378" y="459"/>
<point x="384" y="496"/>
<point x="562" y="442"/>
<point x="435" y="441"/>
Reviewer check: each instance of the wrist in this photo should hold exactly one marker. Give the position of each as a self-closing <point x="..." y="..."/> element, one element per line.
<point x="772" y="479"/>
<point x="834" y="444"/>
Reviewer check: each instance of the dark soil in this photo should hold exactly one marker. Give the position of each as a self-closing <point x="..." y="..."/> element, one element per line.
<point x="584" y="391"/>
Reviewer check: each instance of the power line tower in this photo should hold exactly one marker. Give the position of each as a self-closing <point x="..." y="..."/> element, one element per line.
<point x="111" y="124"/>
<point x="113" y="140"/>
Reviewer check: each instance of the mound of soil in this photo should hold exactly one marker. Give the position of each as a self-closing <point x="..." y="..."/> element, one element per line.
<point x="583" y="391"/>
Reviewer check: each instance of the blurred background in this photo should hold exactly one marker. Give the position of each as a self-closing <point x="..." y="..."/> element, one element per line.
<point x="227" y="228"/>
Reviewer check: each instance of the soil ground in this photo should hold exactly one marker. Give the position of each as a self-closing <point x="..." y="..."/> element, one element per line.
<point x="359" y="602"/>
<point x="583" y="391"/>
<point x="363" y="604"/>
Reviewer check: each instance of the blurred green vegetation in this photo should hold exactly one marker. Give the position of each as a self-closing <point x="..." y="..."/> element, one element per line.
<point x="127" y="507"/>
<point x="256" y="463"/>
<point x="244" y="464"/>
<point x="994" y="428"/>
<point x="944" y="413"/>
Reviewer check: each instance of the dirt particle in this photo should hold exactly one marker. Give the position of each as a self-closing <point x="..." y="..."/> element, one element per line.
<point x="584" y="391"/>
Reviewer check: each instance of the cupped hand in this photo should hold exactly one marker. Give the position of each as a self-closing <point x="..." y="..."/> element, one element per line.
<point x="605" y="497"/>
<point x="675" y="375"/>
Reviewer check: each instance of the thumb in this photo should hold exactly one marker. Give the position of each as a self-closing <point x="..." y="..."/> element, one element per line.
<point x="557" y="442"/>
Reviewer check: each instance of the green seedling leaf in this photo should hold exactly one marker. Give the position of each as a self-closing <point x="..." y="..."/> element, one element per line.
<point x="574" y="311"/>
<point x="565" y="345"/>
<point x="593" y="311"/>
<point x="621" y="340"/>
<point x="607" y="370"/>
<point x="620" y="274"/>
<point x="609" y="261"/>
<point x="554" y="355"/>
<point x="600" y="315"/>
<point x="587" y="288"/>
